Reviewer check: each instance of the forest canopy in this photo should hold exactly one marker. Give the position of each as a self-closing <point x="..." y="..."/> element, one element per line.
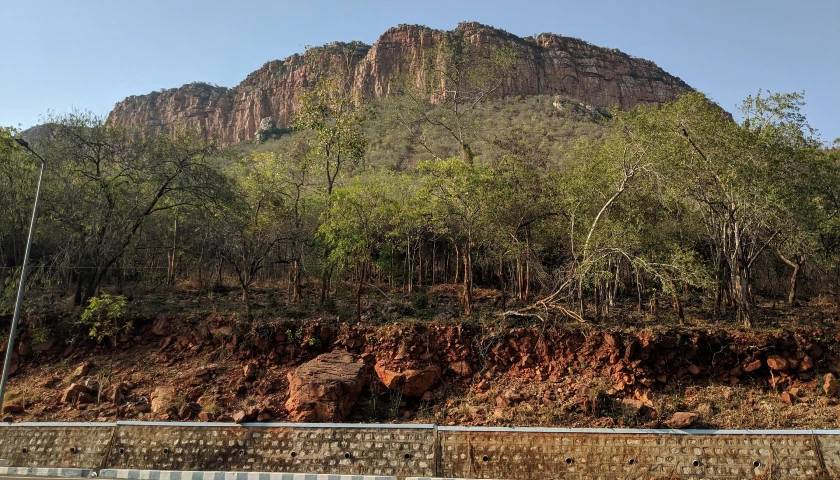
<point x="563" y="210"/>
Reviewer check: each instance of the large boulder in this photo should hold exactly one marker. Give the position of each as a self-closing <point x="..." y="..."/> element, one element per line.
<point x="163" y="400"/>
<point x="681" y="420"/>
<point x="162" y="326"/>
<point x="77" y="393"/>
<point x="79" y="372"/>
<point x="326" y="388"/>
<point x="413" y="382"/>
<point x="831" y="386"/>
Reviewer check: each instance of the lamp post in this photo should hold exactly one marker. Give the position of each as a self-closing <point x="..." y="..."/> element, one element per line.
<point x="23" y="272"/>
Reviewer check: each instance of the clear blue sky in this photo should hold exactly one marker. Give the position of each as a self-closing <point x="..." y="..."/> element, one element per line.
<point x="88" y="54"/>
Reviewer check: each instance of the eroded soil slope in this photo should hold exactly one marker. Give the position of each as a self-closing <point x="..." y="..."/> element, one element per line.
<point x="497" y="372"/>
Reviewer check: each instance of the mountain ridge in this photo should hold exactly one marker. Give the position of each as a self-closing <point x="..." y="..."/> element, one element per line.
<point x="548" y="64"/>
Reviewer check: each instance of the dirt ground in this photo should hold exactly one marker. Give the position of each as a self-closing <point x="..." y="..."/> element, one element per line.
<point x="196" y="356"/>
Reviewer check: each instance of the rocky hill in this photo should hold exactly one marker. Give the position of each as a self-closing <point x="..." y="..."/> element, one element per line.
<point x="548" y="64"/>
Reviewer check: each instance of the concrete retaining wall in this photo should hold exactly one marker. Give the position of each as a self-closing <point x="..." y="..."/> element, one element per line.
<point x="423" y="450"/>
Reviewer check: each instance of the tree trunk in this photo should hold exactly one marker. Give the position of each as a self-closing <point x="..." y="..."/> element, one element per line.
<point x="468" y="299"/>
<point x="793" y="282"/>
<point x="467" y="154"/>
<point x="742" y="297"/>
<point x="296" y="287"/>
<point x="170" y="258"/>
<point x="359" y="291"/>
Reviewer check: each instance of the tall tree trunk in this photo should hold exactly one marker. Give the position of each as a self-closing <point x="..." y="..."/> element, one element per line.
<point x="170" y="258"/>
<point x="359" y="291"/>
<point x="467" y="154"/>
<point x="467" y="293"/>
<point x="296" y="286"/>
<point x="457" y="267"/>
<point x="796" y="268"/>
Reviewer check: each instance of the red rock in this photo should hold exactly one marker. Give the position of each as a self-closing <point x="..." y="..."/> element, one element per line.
<point x="412" y="382"/>
<point x="50" y="382"/>
<point x="461" y="368"/>
<point x="116" y="393"/>
<point x="80" y="371"/>
<point x="77" y="393"/>
<point x="13" y="407"/>
<point x="249" y="371"/>
<point x="635" y="406"/>
<point x="831" y="386"/>
<point x="787" y="398"/>
<point x="325" y="388"/>
<point x="777" y="363"/>
<point x="163" y="399"/>
<point x="693" y="369"/>
<point x="161" y="326"/>
<point x="806" y="364"/>
<point x="752" y="366"/>
<point x="223" y="331"/>
<point x="682" y="420"/>
<point x="585" y="74"/>
<point x="240" y="416"/>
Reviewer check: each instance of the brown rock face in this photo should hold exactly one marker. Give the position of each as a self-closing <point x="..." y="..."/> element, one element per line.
<point x="682" y="420"/>
<point x="777" y="363"/>
<point x="412" y="382"/>
<point x="77" y="393"/>
<point x="163" y="399"/>
<point x="831" y="386"/>
<point x="548" y="64"/>
<point x="325" y="388"/>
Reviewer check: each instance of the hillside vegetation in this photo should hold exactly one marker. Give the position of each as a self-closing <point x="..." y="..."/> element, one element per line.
<point x="516" y="215"/>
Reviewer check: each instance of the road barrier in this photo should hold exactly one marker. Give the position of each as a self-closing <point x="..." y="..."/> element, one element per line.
<point x="223" y="451"/>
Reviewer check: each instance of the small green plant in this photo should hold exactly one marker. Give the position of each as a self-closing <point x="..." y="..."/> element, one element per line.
<point x="104" y="317"/>
<point x="40" y="334"/>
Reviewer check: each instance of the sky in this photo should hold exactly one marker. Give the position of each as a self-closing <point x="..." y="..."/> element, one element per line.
<point x="61" y="56"/>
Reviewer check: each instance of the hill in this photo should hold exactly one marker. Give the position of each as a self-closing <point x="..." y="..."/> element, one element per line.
<point x="547" y="64"/>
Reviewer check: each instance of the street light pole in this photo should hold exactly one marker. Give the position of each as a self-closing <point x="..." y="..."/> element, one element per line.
<point x="23" y="273"/>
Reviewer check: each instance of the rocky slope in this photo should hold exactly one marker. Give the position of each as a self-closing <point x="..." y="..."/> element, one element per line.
<point x="326" y="370"/>
<point x="548" y="64"/>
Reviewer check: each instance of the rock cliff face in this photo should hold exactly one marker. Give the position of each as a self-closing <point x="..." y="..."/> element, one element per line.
<point x="547" y="64"/>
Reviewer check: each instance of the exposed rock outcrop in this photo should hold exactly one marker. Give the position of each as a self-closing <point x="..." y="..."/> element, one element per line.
<point x="324" y="389"/>
<point x="548" y="64"/>
<point x="413" y="382"/>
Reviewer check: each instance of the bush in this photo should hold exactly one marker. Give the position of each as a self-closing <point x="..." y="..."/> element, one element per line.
<point x="105" y="317"/>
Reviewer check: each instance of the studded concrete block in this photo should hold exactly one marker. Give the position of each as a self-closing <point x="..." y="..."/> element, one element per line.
<point x="535" y="455"/>
<point x="336" y="449"/>
<point x="128" y="474"/>
<point x="55" y="444"/>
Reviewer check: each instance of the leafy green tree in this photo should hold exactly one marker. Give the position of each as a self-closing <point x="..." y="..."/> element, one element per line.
<point x="105" y="185"/>
<point x="17" y="180"/>
<point x="339" y="144"/>
<point x="458" y="190"/>
<point x="362" y="225"/>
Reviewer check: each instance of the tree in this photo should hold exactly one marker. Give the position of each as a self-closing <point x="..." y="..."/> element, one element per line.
<point x="252" y="219"/>
<point x="106" y="185"/>
<point x="457" y="190"/>
<point x="798" y="172"/>
<point x="362" y="224"/>
<point x="458" y="81"/>
<point x="17" y="182"/>
<point x="330" y="112"/>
